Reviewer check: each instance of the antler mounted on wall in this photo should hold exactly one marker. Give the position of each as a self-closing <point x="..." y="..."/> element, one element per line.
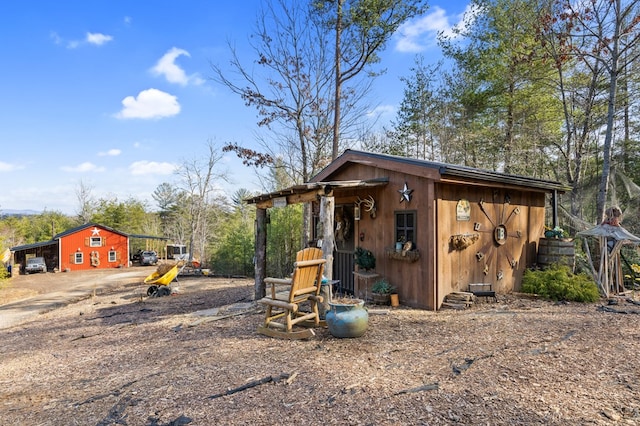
<point x="369" y="205"/>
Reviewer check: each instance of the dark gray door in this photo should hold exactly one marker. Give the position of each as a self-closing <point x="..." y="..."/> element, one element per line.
<point x="343" y="265"/>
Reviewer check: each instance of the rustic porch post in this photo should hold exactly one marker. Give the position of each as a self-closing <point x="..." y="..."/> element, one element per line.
<point x="260" y="261"/>
<point x="327" y="205"/>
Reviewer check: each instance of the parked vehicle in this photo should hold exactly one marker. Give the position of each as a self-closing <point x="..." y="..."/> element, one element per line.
<point x="148" y="258"/>
<point x="35" y="264"/>
<point x="135" y="257"/>
<point x="177" y="252"/>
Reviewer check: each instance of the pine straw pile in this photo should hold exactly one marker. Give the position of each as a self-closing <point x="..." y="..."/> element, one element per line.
<point x="122" y="358"/>
<point x="163" y="268"/>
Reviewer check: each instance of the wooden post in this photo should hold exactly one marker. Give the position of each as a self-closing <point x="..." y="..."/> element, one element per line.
<point x="260" y="265"/>
<point x="306" y="223"/>
<point x="327" y="206"/>
<point x="604" y="265"/>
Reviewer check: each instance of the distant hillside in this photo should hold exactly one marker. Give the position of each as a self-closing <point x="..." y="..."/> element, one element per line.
<point x="12" y="212"/>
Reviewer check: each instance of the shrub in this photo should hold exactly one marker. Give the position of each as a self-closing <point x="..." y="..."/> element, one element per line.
<point x="382" y="287"/>
<point x="559" y="283"/>
<point x="365" y="259"/>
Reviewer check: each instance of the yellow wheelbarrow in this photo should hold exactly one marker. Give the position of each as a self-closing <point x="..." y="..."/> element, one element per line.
<point x="159" y="283"/>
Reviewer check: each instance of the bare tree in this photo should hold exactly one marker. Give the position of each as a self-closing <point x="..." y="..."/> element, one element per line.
<point x="86" y="202"/>
<point x="197" y="181"/>
<point x="291" y="91"/>
<point x="607" y="34"/>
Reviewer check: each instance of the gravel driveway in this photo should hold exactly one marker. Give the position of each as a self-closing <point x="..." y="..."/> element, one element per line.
<point x="24" y="297"/>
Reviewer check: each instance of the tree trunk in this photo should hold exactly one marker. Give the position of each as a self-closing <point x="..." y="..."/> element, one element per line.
<point x="611" y="109"/>
<point x="338" y="82"/>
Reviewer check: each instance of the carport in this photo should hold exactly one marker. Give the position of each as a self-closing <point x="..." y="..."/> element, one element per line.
<point x="46" y="249"/>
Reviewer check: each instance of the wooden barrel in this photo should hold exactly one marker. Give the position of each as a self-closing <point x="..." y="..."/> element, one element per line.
<point x="553" y="250"/>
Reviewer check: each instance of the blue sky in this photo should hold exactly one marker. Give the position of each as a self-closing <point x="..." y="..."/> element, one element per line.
<point x="117" y="93"/>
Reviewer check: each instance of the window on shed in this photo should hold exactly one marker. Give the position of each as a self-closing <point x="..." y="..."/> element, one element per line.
<point x="113" y="256"/>
<point x="406" y="226"/>
<point x="95" y="242"/>
<point x="78" y="258"/>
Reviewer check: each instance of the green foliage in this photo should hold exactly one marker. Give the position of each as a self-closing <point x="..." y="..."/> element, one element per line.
<point x="4" y="275"/>
<point x="364" y="258"/>
<point x="382" y="287"/>
<point x="559" y="283"/>
<point x="18" y="230"/>
<point x="500" y="80"/>
<point x="284" y="239"/>
<point x="44" y="226"/>
<point x="630" y="267"/>
<point x="233" y="253"/>
<point x="415" y="130"/>
<point x="125" y="216"/>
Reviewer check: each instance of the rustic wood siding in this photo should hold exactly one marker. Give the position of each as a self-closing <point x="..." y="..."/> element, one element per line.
<point x="414" y="281"/>
<point x="69" y="245"/>
<point x="459" y="268"/>
<point x="440" y="270"/>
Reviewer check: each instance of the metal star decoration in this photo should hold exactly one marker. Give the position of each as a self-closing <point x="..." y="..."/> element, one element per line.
<point x="405" y="193"/>
<point x="95" y="231"/>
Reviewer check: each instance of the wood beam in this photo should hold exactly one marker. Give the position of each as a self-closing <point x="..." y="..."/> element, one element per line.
<point x="327" y="211"/>
<point x="261" y="253"/>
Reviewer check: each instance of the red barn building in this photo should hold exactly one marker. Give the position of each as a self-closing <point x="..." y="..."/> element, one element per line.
<point x="89" y="246"/>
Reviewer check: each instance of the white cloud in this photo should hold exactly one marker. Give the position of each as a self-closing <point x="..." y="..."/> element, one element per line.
<point x="84" y="167"/>
<point x="381" y="110"/>
<point x="7" y="167"/>
<point x="110" y="153"/>
<point x="418" y="34"/>
<point x="127" y="20"/>
<point x="421" y="33"/>
<point x="150" y="103"/>
<point x="167" y="68"/>
<point x="151" y="168"/>
<point x="98" y="39"/>
<point x="55" y="37"/>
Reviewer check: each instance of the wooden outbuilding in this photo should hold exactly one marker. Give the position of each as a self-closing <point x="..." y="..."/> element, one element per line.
<point x="434" y="228"/>
<point x="89" y="246"/>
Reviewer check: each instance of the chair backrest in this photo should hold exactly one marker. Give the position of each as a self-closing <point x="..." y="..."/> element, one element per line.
<point x="307" y="273"/>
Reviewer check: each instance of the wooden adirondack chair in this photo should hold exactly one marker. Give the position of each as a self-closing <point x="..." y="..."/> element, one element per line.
<point x="304" y="287"/>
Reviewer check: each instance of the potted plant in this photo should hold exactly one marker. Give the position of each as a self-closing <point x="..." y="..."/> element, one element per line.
<point x="364" y="259"/>
<point x="381" y="291"/>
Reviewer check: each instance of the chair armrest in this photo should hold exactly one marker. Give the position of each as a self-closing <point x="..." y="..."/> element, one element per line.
<point x="276" y="281"/>
<point x="282" y="281"/>
<point x="304" y="263"/>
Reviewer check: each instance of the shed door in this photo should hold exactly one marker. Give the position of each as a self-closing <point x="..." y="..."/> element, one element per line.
<point x="343" y="265"/>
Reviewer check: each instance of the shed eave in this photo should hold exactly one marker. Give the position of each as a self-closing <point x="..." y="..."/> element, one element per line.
<point x="33" y="245"/>
<point x="411" y="165"/>
<point x="324" y="187"/>
<point x="488" y="176"/>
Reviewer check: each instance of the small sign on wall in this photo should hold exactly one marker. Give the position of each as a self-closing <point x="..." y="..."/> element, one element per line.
<point x="280" y="202"/>
<point x="463" y="211"/>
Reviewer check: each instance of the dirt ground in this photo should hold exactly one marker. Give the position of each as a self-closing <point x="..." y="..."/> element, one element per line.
<point x="121" y="358"/>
